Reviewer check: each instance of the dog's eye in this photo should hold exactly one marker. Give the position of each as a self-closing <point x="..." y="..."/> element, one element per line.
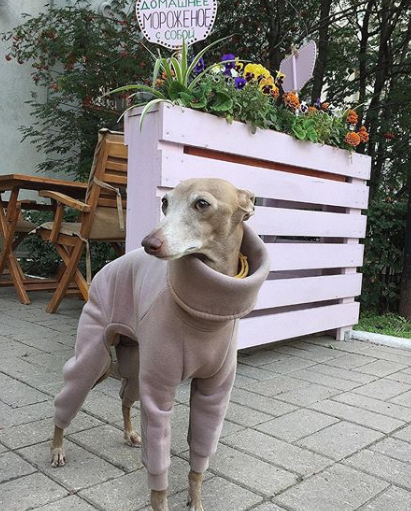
<point x="202" y="204"/>
<point x="164" y="204"/>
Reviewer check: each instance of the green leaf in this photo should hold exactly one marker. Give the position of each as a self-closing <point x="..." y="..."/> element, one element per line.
<point x="223" y="103"/>
<point x="175" y="89"/>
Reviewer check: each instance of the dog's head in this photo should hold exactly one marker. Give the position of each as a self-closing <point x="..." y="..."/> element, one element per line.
<point x="198" y="213"/>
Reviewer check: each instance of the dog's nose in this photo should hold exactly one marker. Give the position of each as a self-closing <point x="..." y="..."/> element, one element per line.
<point x="151" y="244"/>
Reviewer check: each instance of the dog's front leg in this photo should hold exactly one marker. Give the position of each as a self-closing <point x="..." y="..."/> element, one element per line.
<point x="195" y="481"/>
<point x="58" y="457"/>
<point x="159" y="500"/>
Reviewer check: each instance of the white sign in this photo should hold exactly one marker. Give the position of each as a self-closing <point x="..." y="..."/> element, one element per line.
<point x="170" y="22"/>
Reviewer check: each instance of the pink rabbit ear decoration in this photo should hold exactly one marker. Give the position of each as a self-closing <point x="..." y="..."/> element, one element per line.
<point x="299" y="67"/>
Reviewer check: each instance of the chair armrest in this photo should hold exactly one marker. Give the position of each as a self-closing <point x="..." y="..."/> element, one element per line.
<point x="66" y="200"/>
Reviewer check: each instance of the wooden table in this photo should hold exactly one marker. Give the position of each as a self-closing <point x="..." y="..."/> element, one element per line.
<point x="9" y="214"/>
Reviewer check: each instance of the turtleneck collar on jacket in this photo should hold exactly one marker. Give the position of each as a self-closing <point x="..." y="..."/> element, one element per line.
<point x="206" y="293"/>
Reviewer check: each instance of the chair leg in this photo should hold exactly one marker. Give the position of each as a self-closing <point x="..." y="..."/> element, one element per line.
<point x="71" y="267"/>
<point x="65" y="254"/>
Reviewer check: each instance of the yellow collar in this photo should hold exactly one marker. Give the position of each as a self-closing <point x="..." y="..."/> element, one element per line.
<point x="244" y="269"/>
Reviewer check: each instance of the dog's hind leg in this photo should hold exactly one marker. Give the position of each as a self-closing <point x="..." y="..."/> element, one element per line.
<point x="131" y="437"/>
<point x="158" y="500"/>
<point x="195" y="481"/>
<point x="58" y="457"/>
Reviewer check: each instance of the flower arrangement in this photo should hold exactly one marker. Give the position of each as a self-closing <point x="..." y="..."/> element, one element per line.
<point x="247" y="92"/>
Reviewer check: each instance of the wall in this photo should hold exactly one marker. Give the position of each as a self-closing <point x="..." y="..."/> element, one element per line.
<point x="16" y="85"/>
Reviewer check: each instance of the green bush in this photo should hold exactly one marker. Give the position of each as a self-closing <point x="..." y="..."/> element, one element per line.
<point x="386" y="324"/>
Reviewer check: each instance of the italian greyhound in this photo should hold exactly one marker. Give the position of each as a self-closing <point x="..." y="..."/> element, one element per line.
<point x="203" y="219"/>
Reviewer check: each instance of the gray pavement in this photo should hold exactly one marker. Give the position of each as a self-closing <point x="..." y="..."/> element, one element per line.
<point x="313" y="425"/>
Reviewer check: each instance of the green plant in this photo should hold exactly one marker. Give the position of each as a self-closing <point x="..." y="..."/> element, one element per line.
<point x="386" y="324"/>
<point x="246" y="92"/>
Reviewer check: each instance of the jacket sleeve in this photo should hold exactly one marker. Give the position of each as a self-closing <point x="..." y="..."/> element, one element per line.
<point x="91" y="360"/>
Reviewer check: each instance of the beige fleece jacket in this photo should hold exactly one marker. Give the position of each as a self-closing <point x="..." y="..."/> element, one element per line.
<point x="179" y="319"/>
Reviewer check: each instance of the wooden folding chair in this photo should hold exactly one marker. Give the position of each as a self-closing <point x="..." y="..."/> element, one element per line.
<point x="13" y="229"/>
<point x="101" y="216"/>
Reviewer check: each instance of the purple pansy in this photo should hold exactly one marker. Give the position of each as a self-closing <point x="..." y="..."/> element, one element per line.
<point x="240" y="82"/>
<point x="199" y="67"/>
<point x="225" y="60"/>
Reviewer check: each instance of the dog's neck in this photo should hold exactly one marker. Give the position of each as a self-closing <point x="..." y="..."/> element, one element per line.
<point x="224" y="257"/>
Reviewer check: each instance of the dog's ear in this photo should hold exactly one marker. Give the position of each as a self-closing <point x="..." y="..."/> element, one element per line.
<point x="246" y="203"/>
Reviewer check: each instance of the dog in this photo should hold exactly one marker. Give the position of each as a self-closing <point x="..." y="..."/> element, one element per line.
<point x="171" y="317"/>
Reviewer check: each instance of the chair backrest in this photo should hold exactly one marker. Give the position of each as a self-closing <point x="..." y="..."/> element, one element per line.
<point x="106" y="192"/>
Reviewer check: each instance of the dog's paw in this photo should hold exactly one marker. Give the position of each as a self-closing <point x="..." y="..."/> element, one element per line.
<point x="58" y="457"/>
<point x="194" y="505"/>
<point x="132" y="438"/>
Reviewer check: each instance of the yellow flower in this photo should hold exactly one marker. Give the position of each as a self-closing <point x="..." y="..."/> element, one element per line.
<point x="267" y="84"/>
<point x="255" y="72"/>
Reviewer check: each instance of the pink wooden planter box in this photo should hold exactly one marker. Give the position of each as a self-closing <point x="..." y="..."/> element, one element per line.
<point x="308" y="211"/>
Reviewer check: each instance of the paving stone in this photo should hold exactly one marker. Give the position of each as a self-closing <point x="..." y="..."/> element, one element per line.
<point x="395" y="449"/>
<point x="130" y="491"/>
<point x="268" y="506"/>
<point x="14" y="349"/>
<point x="52" y="361"/>
<point x="3" y="448"/>
<point x="82" y="468"/>
<point x="390" y="353"/>
<point x="351" y="361"/>
<point x="29" y="491"/>
<point x="393" y="499"/>
<point x="404" y="434"/>
<point x="39" y="431"/>
<point x="340" y="440"/>
<point x="401" y="376"/>
<point x="289" y="365"/>
<point x="250" y="472"/>
<point x="375" y="405"/>
<point x="17" y="394"/>
<point x="12" y="467"/>
<point x="256" y="373"/>
<point x="334" y="382"/>
<point x="276" y="386"/>
<point x="358" y="415"/>
<point x="261" y="357"/>
<point x="245" y="416"/>
<point x="310" y="393"/>
<point x="296" y="425"/>
<point x="285" y="455"/>
<point x="404" y="399"/>
<point x="338" y="488"/>
<point x="383" y="389"/>
<point x="343" y="374"/>
<point x="13" y="416"/>
<point x="219" y="494"/>
<point x="125" y="493"/>
<point x="313" y="353"/>
<point x="103" y="406"/>
<point x="19" y="368"/>
<point x="72" y="503"/>
<point x="108" y="443"/>
<point x="257" y="402"/>
<point x="372" y="462"/>
<point x="381" y="368"/>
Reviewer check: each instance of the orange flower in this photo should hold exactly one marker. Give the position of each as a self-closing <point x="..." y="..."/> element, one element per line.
<point x="291" y="100"/>
<point x="324" y="106"/>
<point x="363" y="134"/>
<point x="312" y="109"/>
<point x="352" y="138"/>
<point x="275" y="92"/>
<point x="352" y="117"/>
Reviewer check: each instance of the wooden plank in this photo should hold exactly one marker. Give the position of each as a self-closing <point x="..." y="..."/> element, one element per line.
<point x="117" y="150"/>
<point x="260" y="330"/>
<point x="120" y="166"/>
<point x="114" y="179"/>
<point x="272" y="184"/>
<point x="181" y="126"/>
<point x="307" y="256"/>
<point x="280" y="293"/>
<point x="291" y="222"/>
